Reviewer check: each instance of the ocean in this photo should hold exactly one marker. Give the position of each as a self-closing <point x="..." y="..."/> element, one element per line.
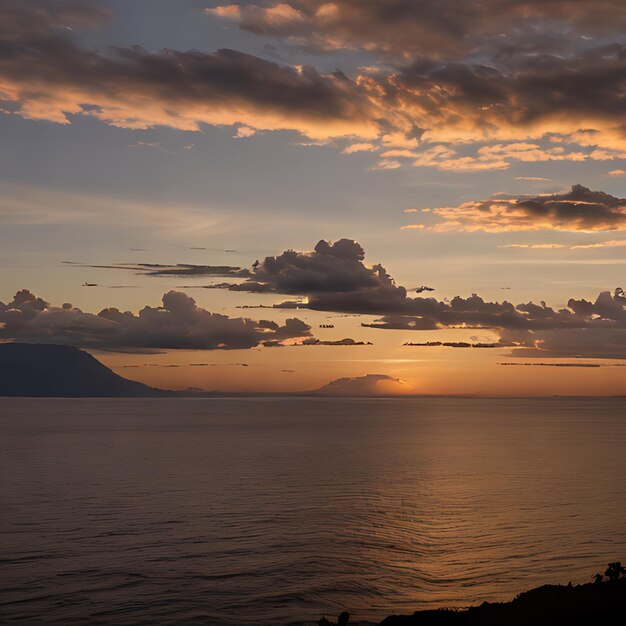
<point x="275" y="511"/>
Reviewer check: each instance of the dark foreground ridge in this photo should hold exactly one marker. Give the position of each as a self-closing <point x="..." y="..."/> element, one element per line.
<point x="591" y="604"/>
<point x="545" y="606"/>
<point x="41" y="370"/>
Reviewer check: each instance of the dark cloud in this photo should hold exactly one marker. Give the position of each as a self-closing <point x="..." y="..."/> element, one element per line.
<point x="600" y="332"/>
<point x="588" y="82"/>
<point x="178" y="324"/>
<point x="579" y="209"/>
<point x="597" y="341"/>
<point x="334" y="278"/>
<point x="594" y="365"/>
<point x="179" y="269"/>
<point x="46" y="75"/>
<point x="168" y="365"/>
<point x="19" y="18"/>
<point x="347" y="341"/>
<point x="330" y="267"/>
<point x="525" y="320"/>
<point x="577" y="95"/>
<point x="420" y="27"/>
<point x="457" y="344"/>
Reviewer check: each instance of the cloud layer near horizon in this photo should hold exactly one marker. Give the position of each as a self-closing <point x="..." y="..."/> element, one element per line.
<point x="335" y="278"/>
<point x="415" y="110"/>
<point x="178" y="324"/>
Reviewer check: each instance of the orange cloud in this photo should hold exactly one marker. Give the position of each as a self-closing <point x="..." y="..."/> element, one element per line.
<point x="579" y="209"/>
<point x="611" y="243"/>
<point x="494" y="114"/>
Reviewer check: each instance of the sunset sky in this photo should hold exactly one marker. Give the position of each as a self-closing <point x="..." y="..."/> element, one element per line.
<point x="271" y="196"/>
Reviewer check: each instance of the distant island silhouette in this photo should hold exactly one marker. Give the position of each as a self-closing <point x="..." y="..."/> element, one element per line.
<point x="60" y="371"/>
<point x="40" y="370"/>
<point x="43" y="370"/>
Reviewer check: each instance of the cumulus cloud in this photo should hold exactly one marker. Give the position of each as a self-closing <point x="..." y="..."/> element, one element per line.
<point x="601" y="333"/>
<point x="178" y="324"/>
<point x="591" y="329"/>
<point x="579" y="209"/>
<point x="335" y="278"/>
<point x="368" y="385"/>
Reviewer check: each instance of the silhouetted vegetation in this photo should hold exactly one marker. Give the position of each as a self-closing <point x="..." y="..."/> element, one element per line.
<point x="597" y="602"/>
<point x="602" y="601"/>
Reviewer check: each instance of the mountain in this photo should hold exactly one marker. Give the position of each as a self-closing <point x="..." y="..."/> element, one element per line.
<point x="370" y="385"/>
<point x="42" y="370"/>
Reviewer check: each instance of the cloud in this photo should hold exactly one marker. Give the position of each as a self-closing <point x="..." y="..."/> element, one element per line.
<point x="179" y="269"/>
<point x="359" y="147"/>
<point x="594" y="365"/>
<point x="334" y="278"/>
<point x="386" y="164"/>
<point x="25" y="204"/>
<point x="312" y="341"/>
<point x="616" y="173"/>
<point x="514" y="102"/>
<point x="602" y="333"/>
<point x="579" y="209"/>
<point x="178" y="324"/>
<point x="611" y="243"/>
<point x="368" y="385"/>
<point x="444" y="28"/>
<point x="594" y="342"/>
<point x="243" y="132"/>
<point x="420" y="103"/>
<point x="46" y="75"/>
<point x="457" y="344"/>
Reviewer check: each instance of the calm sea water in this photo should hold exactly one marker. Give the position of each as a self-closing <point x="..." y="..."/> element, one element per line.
<point x="269" y="511"/>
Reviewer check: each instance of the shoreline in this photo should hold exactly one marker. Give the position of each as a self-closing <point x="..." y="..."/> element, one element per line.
<point x="548" y="605"/>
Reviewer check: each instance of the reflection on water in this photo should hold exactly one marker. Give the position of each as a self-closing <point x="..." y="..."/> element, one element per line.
<point x="276" y="510"/>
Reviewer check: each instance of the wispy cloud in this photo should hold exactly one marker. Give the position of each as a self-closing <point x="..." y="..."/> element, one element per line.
<point x="611" y="243"/>
<point x="25" y="204"/>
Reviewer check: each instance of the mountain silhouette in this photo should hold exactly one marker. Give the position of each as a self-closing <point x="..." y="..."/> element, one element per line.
<point x="42" y="370"/>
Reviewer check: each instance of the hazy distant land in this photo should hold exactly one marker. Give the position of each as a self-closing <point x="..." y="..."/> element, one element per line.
<point x="42" y="370"/>
<point x="59" y="371"/>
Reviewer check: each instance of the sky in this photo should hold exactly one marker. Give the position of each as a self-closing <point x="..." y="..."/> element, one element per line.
<point x="407" y="197"/>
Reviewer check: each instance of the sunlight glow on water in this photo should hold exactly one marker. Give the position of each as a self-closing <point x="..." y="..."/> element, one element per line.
<point x="267" y="511"/>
